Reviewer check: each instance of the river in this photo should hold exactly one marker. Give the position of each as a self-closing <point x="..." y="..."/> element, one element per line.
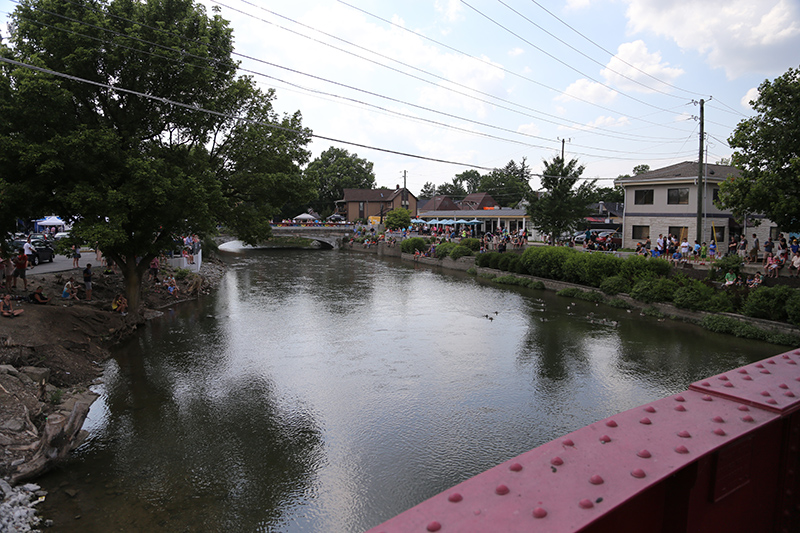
<point x="324" y="391"/>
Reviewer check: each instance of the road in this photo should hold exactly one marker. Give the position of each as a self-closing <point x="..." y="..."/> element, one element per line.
<point x="62" y="264"/>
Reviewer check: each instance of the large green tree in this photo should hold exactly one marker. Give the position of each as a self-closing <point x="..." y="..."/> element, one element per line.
<point x="560" y="206"/>
<point x="470" y="180"/>
<point x="398" y="218"/>
<point x="508" y="185"/>
<point x="767" y="150"/>
<point x="454" y="190"/>
<point x="428" y="191"/>
<point x="334" y="171"/>
<point x="116" y="135"/>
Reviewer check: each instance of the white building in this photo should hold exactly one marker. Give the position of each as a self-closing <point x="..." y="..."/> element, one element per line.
<point x="664" y="201"/>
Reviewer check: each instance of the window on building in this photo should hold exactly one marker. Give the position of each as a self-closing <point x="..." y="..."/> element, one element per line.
<point x="678" y="196"/>
<point x="719" y="234"/>
<point x="774" y="231"/>
<point x="715" y="194"/>
<point x="641" y="232"/>
<point x="361" y="210"/>
<point x="680" y="232"/>
<point x="643" y="196"/>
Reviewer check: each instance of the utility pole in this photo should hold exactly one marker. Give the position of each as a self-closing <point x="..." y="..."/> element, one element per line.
<point x="700" y="179"/>
<point x="562" y="148"/>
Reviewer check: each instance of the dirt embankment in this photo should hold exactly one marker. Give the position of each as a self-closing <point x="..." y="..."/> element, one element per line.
<point x="50" y="354"/>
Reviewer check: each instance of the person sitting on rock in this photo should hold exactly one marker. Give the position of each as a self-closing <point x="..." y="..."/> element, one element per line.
<point x="70" y="290"/>
<point x="38" y="297"/>
<point x="7" y="307"/>
<point x="120" y="304"/>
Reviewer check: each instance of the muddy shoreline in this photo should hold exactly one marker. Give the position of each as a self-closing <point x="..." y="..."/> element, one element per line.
<point x="49" y="357"/>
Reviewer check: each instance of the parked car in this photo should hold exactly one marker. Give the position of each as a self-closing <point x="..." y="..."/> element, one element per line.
<point x="60" y="235"/>
<point x="43" y="251"/>
<point x="580" y="236"/>
<point x="611" y="239"/>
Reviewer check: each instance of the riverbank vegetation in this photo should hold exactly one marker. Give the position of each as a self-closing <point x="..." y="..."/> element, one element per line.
<point x="653" y="281"/>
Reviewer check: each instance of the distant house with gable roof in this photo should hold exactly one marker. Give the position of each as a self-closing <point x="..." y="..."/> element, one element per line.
<point x="365" y="203"/>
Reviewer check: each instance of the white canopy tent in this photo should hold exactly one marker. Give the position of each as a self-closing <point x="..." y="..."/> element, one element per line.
<point x="50" y="221"/>
<point x="304" y="217"/>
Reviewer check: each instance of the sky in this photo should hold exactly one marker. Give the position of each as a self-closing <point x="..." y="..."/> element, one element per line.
<point x="426" y="89"/>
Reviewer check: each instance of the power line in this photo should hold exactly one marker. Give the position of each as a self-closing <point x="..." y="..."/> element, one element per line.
<point x="225" y="115"/>
<point x="548" y="54"/>
<point x="183" y="53"/>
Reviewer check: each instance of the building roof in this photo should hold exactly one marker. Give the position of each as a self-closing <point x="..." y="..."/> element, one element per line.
<point x="478" y="200"/>
<point x="680" y="172"/>
<point x="475" y="213"/>
<point x="372" y="195"/>
<point x="438" y="203"/>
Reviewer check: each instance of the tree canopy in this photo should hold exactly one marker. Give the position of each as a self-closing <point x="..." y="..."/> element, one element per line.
<point x="767" y="151"/>
<point x="140" y="130"/>
<point x="509" y="185"/>
<point x="398" y="218"/>
<point x="334" y="171"/>
<point x="428" y="191"/>
<point x="560" y="206"/>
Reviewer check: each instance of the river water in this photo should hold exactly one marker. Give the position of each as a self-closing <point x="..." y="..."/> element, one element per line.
<point x="324" y="391"/>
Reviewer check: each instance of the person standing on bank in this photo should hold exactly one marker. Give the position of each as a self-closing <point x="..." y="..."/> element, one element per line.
<point x="87" y="281"/>
<point x="29" y="251"/>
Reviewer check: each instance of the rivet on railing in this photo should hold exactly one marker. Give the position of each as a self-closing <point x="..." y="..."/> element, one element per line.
<point x="516" y="467"/>
<point x="455" y="497"/>
<point x="502" y="490"/>
<point x="539" y="513"/>
<point x="586" y="504"/>
<point x="638" y="473"/>
<point x="644" y="454"/>
<point x="434" y="526"/>
<point x="611" y="424"/>
<point x="682" y="449"/>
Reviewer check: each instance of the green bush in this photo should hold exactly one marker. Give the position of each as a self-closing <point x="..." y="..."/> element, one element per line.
<point x="472" y="270"/>
<point x="483" y="260"/>
<point x="547" y="261"/>
<point x="471" y="243"/>
<point x="182" y="273"/>
<point x="536" y="284"/>
<point x="443" y="249"/>
<point x="409" y="246"/>
<point x="487" y="275"/>
<point x="615" y="285"/>
<point x="637" y="267"/>
<point x="784" y="339"/>
<point x="720" y="267"/>
<point x="574" y="292"/>
<point x="793" y="308"/>
<point x="653" y="311"/>
<point x="521" y="282"/>
<point x="494" y="260"/>
<point x="768" y="302"/>
<point x="460" y="251"/>
<point x="694" y="296"/>
<point x="654" y="290"/>
<point x="595" y="267"/>
<point x="504" y="261"/>
<point x="619" y="303"/>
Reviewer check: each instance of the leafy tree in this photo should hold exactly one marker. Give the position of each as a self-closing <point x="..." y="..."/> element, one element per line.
<point x="609" y="195"/>
<point x="398" y="218"/>
<point x="334" y="171"/>
<point x="560" y="206"/>
<point x="509" y="185"/>
<point x="129" y="171"/>
<point x="470" y="180"/>
<point x="453" y="190"/>
<point x="766" y="149"/>
<point x="428" y="191"/>
<point x="640" y="169"/>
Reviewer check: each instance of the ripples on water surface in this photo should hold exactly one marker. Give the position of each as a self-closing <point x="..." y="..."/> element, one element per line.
<point x="328" y="391"/>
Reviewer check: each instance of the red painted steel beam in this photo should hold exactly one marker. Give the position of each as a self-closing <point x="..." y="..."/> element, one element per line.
<point x="713" y="458"/>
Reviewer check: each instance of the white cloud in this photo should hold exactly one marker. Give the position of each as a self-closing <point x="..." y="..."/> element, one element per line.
<point x="751" y="95"/>
<point x="578" y="4"/>
<point x="739" y="36"/>
<point x="514" y="52"/>
<point x="588" y="91"/>
<point x="600" y="122"/>
<point x="634" y="62"/>
<point x="450" y="9"/>
<point x="530" y="129"/>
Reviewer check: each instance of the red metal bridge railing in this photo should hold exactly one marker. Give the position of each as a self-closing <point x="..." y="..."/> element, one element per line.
<point x="721" y="456"/>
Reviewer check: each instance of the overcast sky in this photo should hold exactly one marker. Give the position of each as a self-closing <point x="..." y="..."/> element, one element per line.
<point x="481" y="82"/>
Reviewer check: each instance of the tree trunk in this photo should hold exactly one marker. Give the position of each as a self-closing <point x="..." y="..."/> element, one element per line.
<point x="132" y="273"/>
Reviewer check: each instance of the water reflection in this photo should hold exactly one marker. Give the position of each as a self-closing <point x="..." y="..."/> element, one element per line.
<point x="328" y="391"/>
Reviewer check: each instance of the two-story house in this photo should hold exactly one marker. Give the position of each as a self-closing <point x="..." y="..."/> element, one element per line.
<point x="364" y="203"/>
<point x="664" y="201"/>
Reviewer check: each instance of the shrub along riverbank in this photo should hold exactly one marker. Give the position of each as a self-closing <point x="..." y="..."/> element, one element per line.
<point x="652" y="281"/>
<point x="769" y="313"/>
